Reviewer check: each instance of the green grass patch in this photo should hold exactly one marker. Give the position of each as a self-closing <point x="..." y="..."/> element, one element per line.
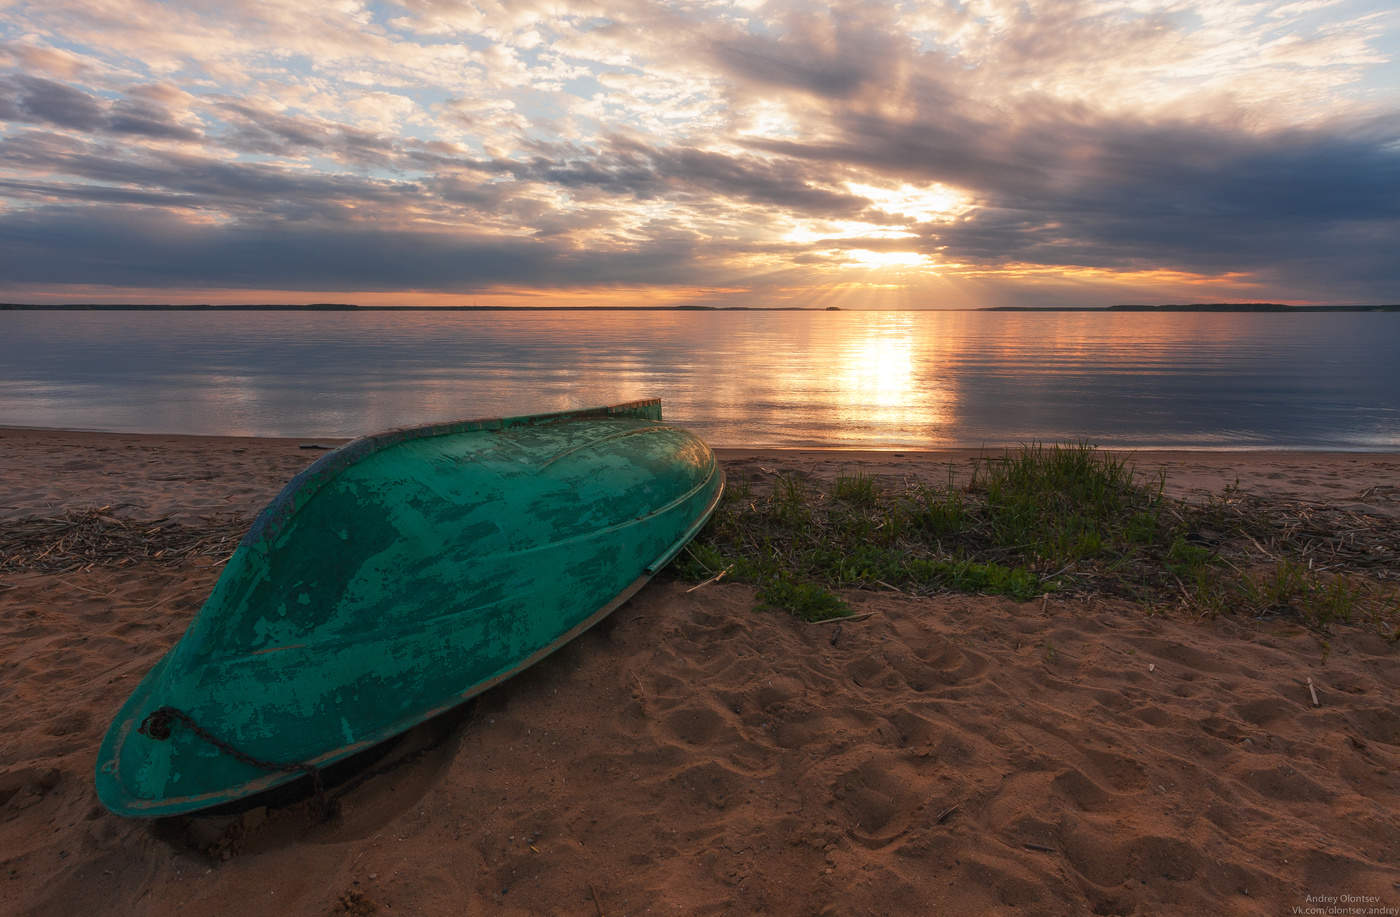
<point x="995" y="579"/>
<point x="808" y="601"/>
<point x="1039" y="519"/>
<point x="1067" y="503"/>
<point x="938" y="512"/>
<point x="1289" y="588"/>
<point x="857" y="489"/>
<point x="791" y="501"/>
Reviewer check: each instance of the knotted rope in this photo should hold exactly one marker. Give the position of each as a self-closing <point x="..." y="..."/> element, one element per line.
<point x="158" y="724"/>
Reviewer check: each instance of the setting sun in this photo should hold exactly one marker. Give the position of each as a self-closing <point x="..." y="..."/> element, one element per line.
<point x="861" y="257"/>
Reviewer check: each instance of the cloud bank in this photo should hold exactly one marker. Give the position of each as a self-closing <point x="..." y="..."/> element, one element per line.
<point x="914" y="155"/>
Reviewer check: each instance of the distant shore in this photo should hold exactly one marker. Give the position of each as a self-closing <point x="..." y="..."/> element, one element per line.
<point x="351" y="307"/>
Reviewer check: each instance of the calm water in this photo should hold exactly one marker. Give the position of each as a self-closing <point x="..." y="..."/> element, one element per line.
<point x="837" y="379"/>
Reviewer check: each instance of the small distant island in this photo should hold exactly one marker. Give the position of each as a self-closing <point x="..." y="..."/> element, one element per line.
<point x="1198" y="307"/>
<point x="351" y="307"/>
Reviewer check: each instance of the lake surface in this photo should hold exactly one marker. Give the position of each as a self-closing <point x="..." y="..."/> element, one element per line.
<point x="879" y="380"/>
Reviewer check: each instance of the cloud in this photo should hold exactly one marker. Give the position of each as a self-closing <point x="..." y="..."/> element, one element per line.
<point x="836" y="53"/>
<point x="38" y="100"/>
<point x="1055" y="185"/>
<point x="759" y="145"/>
<point x="251" y="128"/>
<point x="51" y="191"/>
<point x="149" y="248"/>
<point x="626" y="166"/>
<point x="245" y="189"/>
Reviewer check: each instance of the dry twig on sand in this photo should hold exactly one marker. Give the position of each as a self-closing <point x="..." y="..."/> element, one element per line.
<point x="1331" y="537"/>
<point x="82" y="539"/>
<point x="714" y="579"/>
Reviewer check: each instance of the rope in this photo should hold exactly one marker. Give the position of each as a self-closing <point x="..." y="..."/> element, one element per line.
<point x="157" y="726"/>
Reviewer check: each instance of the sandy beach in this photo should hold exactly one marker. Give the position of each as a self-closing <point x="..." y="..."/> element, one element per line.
<point x="692" y="755"/>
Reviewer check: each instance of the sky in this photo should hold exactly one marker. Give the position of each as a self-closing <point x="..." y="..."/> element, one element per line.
<point x="858" y="155"/>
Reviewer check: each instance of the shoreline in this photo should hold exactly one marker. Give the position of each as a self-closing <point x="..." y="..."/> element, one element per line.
<point x="96" y="468"/>
<point x="741" y="451"/>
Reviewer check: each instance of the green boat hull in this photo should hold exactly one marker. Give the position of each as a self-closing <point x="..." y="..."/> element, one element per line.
<point x="397" y="577"/>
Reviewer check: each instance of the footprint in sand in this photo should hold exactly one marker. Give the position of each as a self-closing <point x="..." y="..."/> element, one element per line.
<point x="1377" y="724"/>
<point x="694" y="725"/>
<point x="877" y="799"/>
<point x="1285" y="784"/>
<point x="1081" y="792"/>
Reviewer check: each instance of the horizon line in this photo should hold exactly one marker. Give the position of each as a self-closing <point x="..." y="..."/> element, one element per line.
<point x="353" y="307"/>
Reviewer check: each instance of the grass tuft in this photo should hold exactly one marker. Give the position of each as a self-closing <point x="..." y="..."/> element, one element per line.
<point x="791" y="500"/>
<point x="938" y="512"/>
<point x="1067" y="503"/>
<point x="858" y="489"/>
<point x="808" y="601"/>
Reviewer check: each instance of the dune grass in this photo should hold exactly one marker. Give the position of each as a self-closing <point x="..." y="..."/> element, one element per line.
<point x="1042" y="518"/>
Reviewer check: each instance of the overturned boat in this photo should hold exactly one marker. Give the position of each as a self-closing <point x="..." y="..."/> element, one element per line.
<point x="395" y="578"/>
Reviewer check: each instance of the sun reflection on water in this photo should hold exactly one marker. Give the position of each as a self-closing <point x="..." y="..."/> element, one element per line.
<point x="848" y="379"/>
<point x="888" y="377"/>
